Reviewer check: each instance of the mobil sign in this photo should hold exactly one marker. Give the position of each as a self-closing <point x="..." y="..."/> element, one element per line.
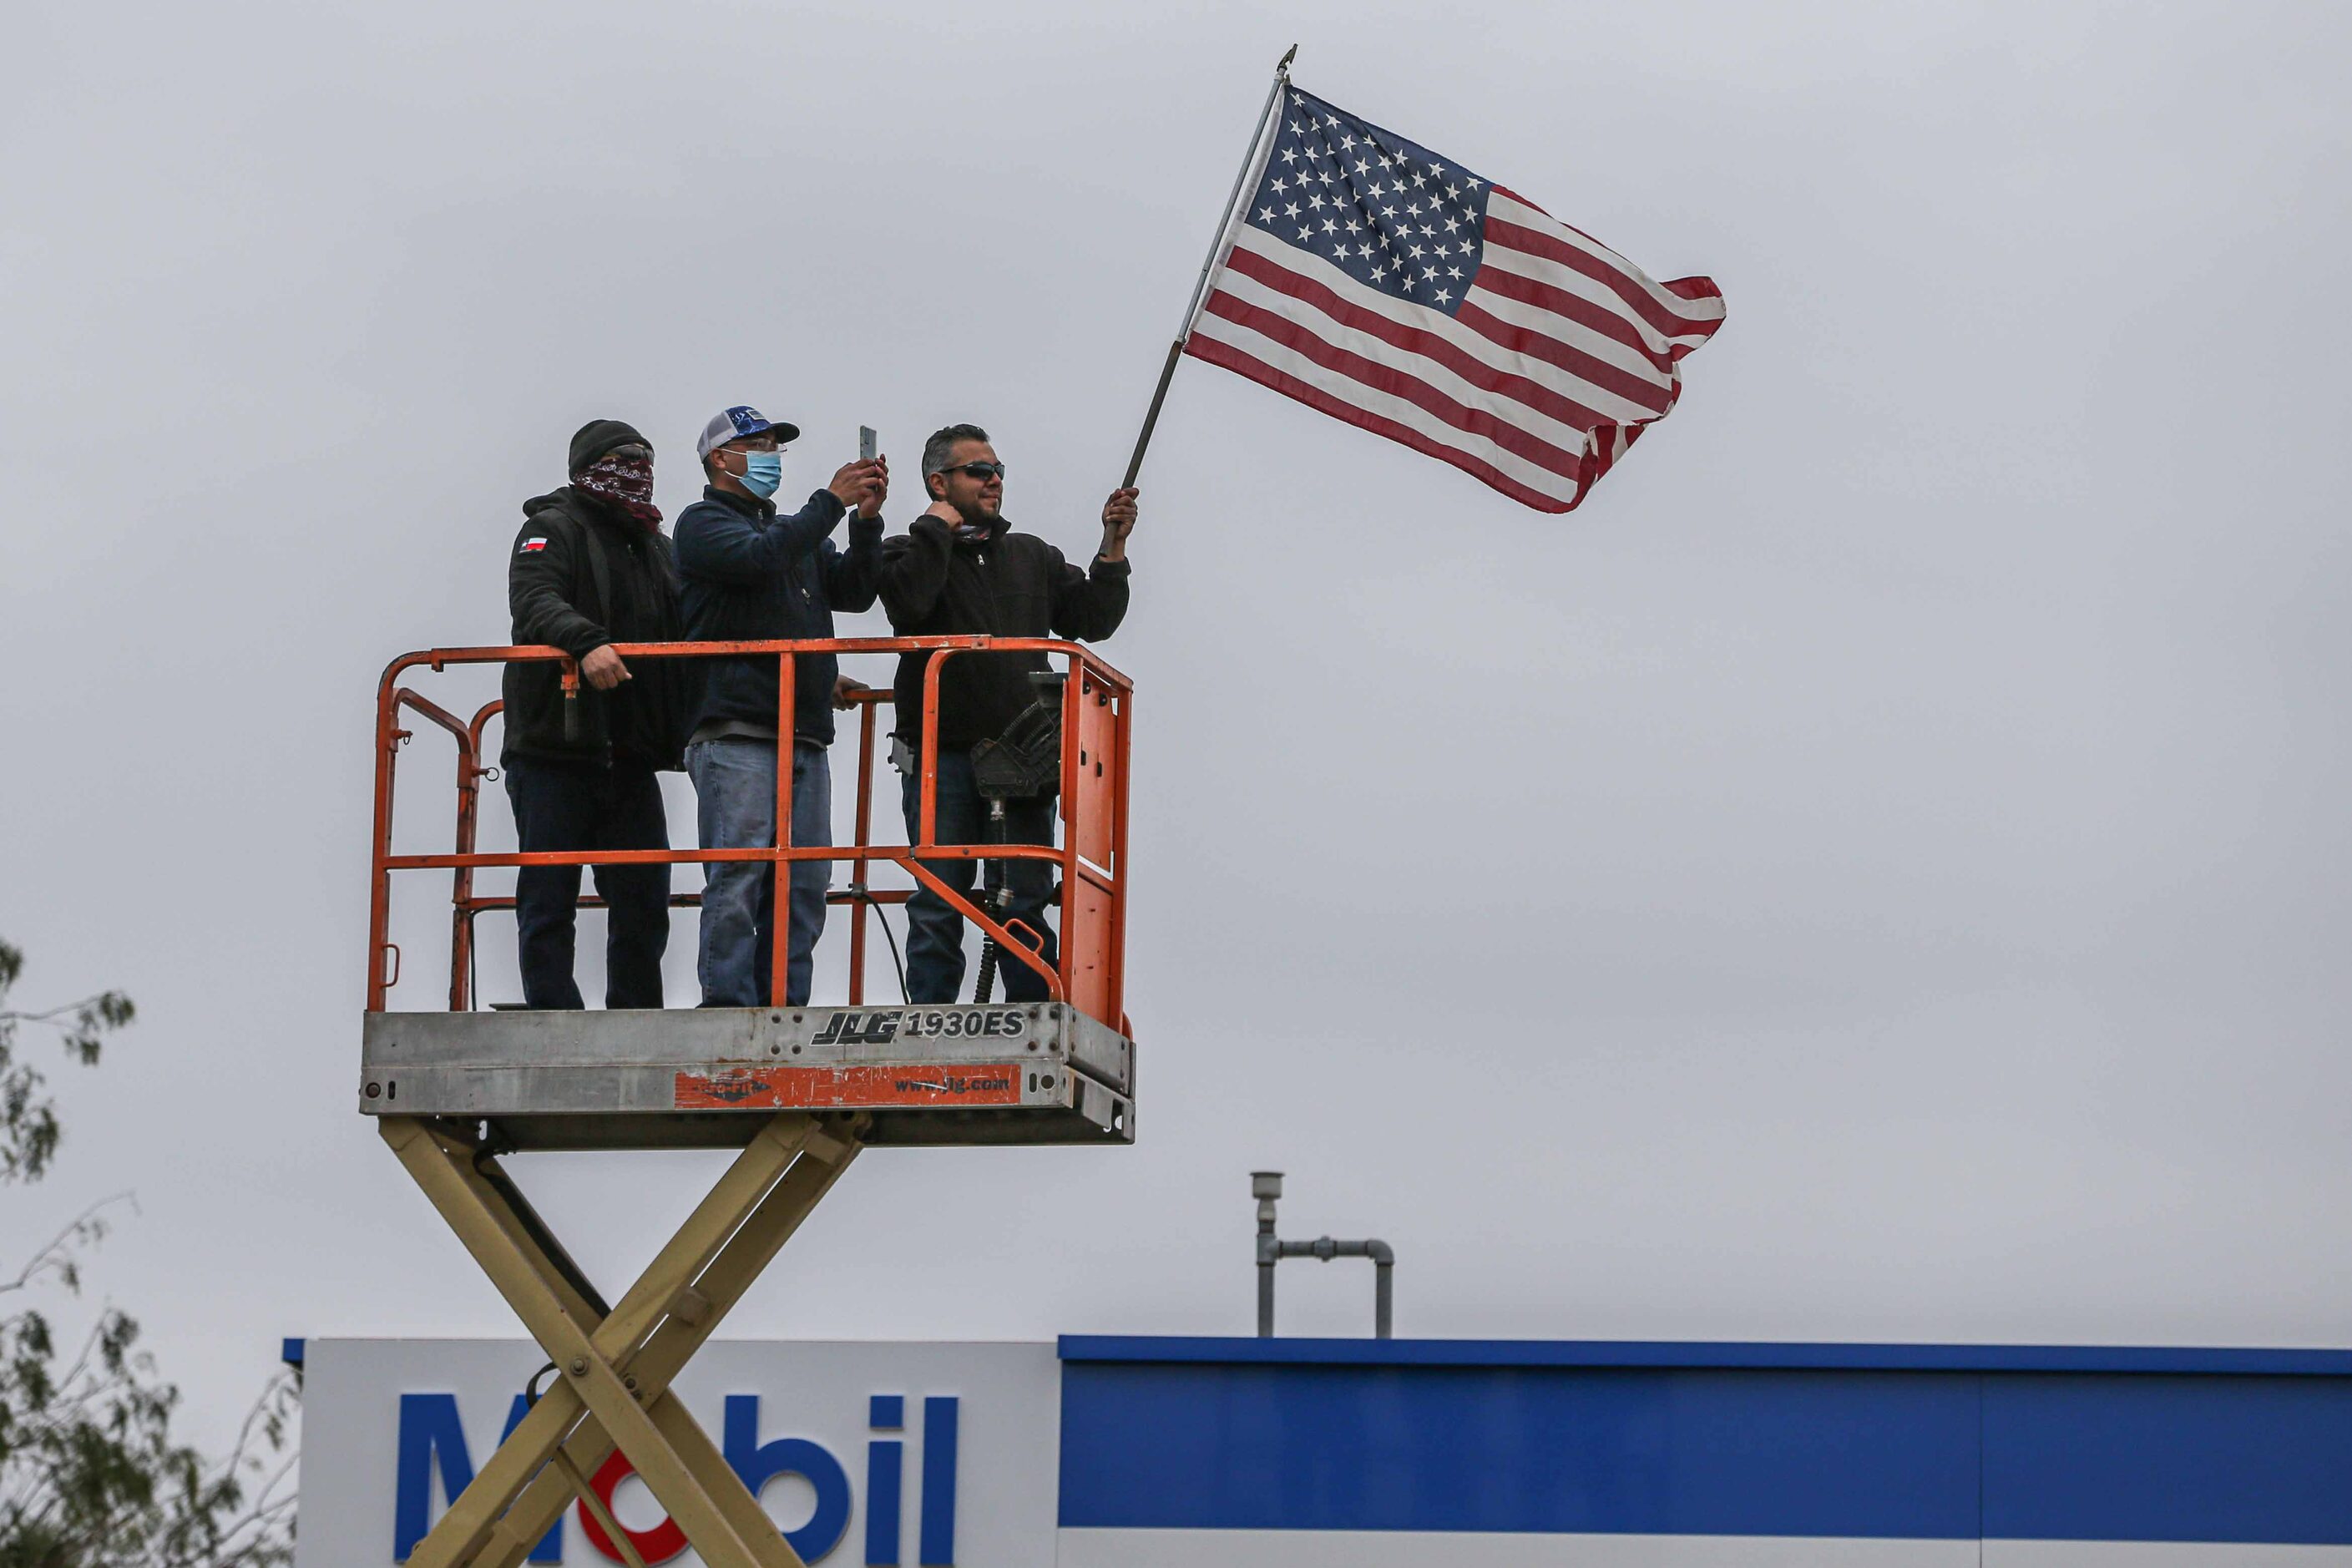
<point x="862" y="1453"/>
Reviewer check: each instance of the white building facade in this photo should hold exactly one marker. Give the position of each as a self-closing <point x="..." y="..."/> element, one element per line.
<point x="1144" y="1453"/>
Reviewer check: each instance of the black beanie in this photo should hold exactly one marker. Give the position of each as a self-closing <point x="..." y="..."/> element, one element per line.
<point x="599" y="437"/>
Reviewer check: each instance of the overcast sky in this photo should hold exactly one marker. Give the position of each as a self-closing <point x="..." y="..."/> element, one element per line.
<point x="1876" y="872"/>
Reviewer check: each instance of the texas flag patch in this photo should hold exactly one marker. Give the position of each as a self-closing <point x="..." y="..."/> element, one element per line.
<point x="531" y="546"/>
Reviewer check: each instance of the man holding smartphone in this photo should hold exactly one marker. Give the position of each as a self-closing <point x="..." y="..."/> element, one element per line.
<point x="751" y="575"/>
<point x="959" y="570"/>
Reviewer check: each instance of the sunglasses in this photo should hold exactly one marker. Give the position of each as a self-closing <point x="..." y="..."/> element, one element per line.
<point x="983" y="472"/>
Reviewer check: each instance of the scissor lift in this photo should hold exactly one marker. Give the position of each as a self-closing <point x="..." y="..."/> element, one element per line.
<point x="800" y="1091"/>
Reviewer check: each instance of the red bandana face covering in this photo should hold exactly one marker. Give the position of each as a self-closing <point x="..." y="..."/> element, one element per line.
<point x="627" y="483"/>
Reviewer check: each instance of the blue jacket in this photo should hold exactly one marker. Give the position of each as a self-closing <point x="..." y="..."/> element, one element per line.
<point x="750" y="574"/>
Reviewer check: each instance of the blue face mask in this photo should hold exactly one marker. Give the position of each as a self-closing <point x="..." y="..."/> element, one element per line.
<point x="762" y="472"/>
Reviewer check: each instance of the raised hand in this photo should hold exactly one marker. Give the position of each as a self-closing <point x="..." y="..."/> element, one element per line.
<point x="851" y="482"/>
<point x="1119" y="522"/>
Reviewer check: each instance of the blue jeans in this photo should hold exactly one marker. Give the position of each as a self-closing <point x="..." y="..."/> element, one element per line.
<point x="934" y="931"/>
<point x="579" y="806"/>
<point x="735" y="806"/>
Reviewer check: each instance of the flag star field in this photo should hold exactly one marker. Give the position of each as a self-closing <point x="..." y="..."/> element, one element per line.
<point x="1392" y="215"/>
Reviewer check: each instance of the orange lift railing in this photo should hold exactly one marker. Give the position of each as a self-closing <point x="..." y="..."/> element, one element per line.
<point x="1098" y="704"/>
<point x="799" y="1092"/>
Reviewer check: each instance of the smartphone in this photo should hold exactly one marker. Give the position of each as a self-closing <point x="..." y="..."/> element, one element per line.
<point x="867" y="444"/>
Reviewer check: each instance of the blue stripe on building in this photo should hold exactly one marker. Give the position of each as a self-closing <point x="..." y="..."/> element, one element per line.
<point x="1920" y="1442"/>
<point x="2169" y="1458"/>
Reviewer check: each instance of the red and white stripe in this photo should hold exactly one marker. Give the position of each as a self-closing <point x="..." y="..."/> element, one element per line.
<point x="1561" y="353"/>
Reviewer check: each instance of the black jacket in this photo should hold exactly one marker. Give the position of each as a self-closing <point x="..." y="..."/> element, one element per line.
<point x="580" y="575"/>
<point x="753" y="576"/>
<point x="1008" y="584"/>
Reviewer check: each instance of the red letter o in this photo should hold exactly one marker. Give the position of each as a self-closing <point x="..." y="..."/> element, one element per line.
<point x="658" y="1544"/>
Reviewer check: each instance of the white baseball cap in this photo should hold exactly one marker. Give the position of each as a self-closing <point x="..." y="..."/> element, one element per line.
<point x="733" y="424"/>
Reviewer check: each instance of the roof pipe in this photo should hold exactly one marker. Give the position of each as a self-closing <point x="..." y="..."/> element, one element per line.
<point x="1266" y="1186"/>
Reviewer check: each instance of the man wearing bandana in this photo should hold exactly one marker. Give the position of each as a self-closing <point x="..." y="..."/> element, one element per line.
<point x="591" y="568"/>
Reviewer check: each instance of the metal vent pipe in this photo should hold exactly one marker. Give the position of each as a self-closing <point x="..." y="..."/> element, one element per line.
<point x="1266" y="1186"/>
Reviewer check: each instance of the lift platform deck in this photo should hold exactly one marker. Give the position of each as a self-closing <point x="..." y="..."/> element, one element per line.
<point x="799" y="1091"/>
<point x="1038" y="1073"/>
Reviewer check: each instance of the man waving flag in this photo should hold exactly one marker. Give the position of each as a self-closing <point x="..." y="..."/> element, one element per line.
<point x="1369" y="278"/>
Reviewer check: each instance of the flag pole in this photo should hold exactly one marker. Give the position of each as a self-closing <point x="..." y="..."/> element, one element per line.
<point x="1201" y="285"/>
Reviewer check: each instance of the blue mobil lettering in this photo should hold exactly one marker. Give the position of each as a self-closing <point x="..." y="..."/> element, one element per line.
<point x="433" y="1439"/>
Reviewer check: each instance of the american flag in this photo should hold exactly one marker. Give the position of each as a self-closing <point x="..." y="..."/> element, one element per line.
<point x="1395" y="289"/>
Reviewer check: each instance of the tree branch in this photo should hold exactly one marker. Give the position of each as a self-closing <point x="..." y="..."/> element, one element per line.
<point x="52" y="1014"/>
<point x="78" y="1229"/>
